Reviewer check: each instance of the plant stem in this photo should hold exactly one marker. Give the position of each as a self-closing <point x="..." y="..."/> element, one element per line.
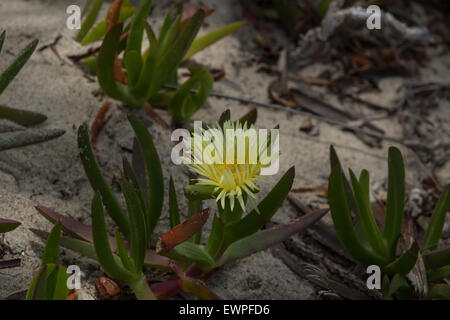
<point x="142" y="290"/>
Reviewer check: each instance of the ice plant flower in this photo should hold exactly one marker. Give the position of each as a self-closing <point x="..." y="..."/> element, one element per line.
<point x="229" y="158"/>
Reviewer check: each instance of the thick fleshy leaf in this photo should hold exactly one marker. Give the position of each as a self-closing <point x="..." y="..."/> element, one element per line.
<point x="269" y="237"/>
<point x="22" y="117"/>
<point x="216" y="237"/>
<point x="133" y="65"/>
<point x="51" y="251"/>
<point x="340" y="213"/>
<point x="403" y="264"/>
<point x="210" y="38"/>
<point x="142" y="87"/>
<point x="434" y="230"/>
<point x="106" y="59"/>
<point x="170" y="61"/>
<point x="440" y="292"/>
<point x="183" y="231"/>
<point x="174" y="211"/>
<point x="152" y="260"/>
<point x="351" y="201"/>
<point x="154" y="172"/>
<point x="22" y="138"/>
<point x="60" y="290"/>
<point x="101" y="243"/>
<point x="195" y="206"/>
<point x="98" y="182"/>
<point x="436" y="275"/>
<point x="13" y="69"/>
<point x="138" y="164"/>
<point x="437" y="258"/>
<point x="90" y="13"/>
<point x="192" y="285"/>
<point x="250" y="117"/>
<point x="186" y="101"/>
<point x="130" y="176"/>
<point x="195" y="253"/>
<point x="225" y="116"/>
<point x="362" y="195"/>
<point x="8" y="225"/>
<point x="99" y="31"/>
<point x="400" y="288"/>
<point x="134" y="42"/>
<point x="254" y="221"/>
<point x="138" y="235"/>
<point x="395" y="199"/>
<point x="80" y="246"/>
<point x="37" y="289"/>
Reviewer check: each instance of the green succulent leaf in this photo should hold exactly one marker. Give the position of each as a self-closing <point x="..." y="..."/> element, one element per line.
<point x="403" y="264"/>
<point x="98" y="181"/>
<point x="395" y="199"/>
<point x="123" y="254"/>
<point x="102" y="247"/>
<point x="154" y="172"/>
<point x="351" y="201"/>
<point x="91" y="12"/>
<point x="437" y="258"/>
<point x="209" y="39"/>
<point x="22" y="117"/>
<point x="195" y="206"/>
<point x="51" y="251"/>
<point x="50" y="282"/>
<point x="186" y="101"/>
<point x="264" y="239"/>
<point x="13" y="69"/>
<point x="38" y="287"/>
<point x="171" y="59"/>
<point x="195" y="253"/>
<point x="438" y="274"/>
<point x="340" y="213"/>
<point x="105" y="70"/>
<point x="254" y="221"/>
<point x="216" y="237"/>
<point x="139" y="237"/>
<point x="440" y="292"/>
<point x="26" y="137"/>
<point x="99" y="31"/>
<point x="400" y="288"/>
<point x="362" y="195"/>
<point x="250" y="117"/>
<point x="133" y="65"/>
<point x="225" y="116"/>
<point x="174" y="211"/>
<point x="8" y="225"/>
<point x="134" y="42"/>
<point x="80" y="246"/>
<point x="436" y="225"/>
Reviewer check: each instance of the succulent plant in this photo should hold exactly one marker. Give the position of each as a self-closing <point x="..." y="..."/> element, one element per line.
<point x="371" y="246"/>
<point x="144" y="81"/>
<point x="235" y="233"/>
<point x="50" y="282"/>
<point x="13" y="136"/>
<point x="233" y="236"/>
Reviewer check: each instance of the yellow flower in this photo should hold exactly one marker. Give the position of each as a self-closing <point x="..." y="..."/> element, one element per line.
<point x="227" y="158"/>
